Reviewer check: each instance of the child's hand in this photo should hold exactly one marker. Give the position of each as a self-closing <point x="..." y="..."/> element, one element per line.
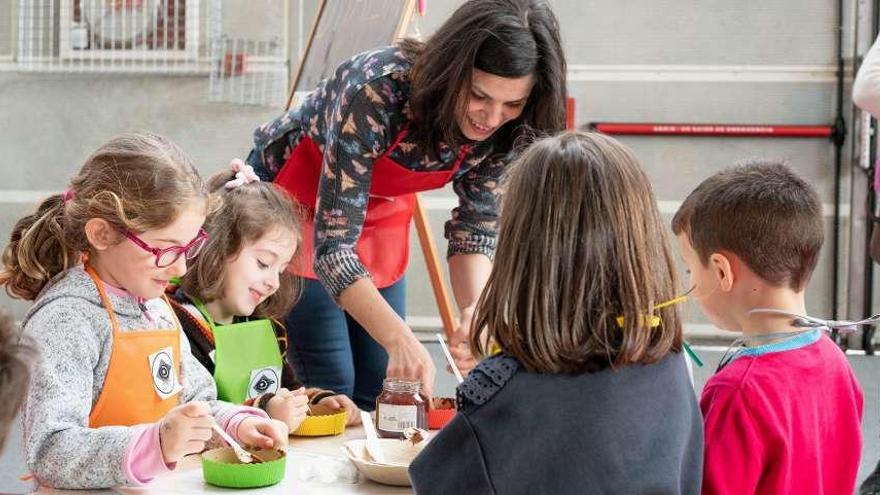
<point x="464" y="360"/>
<point x="459" y="346"/>
<point x="291" y="407"/>
<point x="335" y="403"/>
<point x="263" y="433"/>
<point x="184" y="430"/>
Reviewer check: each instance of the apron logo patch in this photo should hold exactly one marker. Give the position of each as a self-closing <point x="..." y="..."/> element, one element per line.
<point x="264" y="380"/>
<point x="164" y="373"/>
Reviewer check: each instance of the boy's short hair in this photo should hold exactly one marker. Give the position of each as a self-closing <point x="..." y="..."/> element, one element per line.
<point x="14" y="373"/>
<point x="763" y="213"/>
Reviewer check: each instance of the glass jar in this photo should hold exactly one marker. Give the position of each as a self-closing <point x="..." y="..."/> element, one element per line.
<point x="400" y="407"/>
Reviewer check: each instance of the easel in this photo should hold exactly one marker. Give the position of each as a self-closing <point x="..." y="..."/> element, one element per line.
<point x="426" y="239"/>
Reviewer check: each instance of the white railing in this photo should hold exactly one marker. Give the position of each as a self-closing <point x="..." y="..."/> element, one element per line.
<point x="146" y="36"/>
<point x="7" y="31"/>
<point x="248" y="71"/>
<point x="157" y="37"/>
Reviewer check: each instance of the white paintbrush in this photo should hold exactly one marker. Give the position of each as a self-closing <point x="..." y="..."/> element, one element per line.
<point x="374" y="448"/>
<point x="449" y="358"/>
<point x="244" y="456"/>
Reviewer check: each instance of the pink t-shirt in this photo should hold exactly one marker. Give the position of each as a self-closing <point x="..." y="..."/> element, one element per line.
<point x="783" y="418"/>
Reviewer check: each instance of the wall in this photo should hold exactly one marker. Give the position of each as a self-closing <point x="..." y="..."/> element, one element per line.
<point x="642" y="60"/>
<point x="699" y="61"/>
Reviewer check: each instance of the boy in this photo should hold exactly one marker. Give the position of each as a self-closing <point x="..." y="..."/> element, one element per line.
<point x="783" y="412"/>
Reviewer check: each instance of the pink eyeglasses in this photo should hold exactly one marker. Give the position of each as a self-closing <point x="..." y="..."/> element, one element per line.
<point x="168" y="256"/>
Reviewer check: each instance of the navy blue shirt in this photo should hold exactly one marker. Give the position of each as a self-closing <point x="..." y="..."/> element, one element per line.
<point x="636" y="430"/>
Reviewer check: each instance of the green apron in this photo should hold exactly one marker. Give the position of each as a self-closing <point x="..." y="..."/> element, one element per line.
<point x="247" y="360"/>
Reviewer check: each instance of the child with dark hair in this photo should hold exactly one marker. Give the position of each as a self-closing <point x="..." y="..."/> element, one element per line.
<point x="783" y="412"/>
<point x="589" y="393"/>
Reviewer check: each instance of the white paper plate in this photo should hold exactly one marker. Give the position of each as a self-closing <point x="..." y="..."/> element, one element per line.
<point x="398" y="453"/>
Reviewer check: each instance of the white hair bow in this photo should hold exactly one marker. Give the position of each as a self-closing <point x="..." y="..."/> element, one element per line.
<point x="244" y="174"/>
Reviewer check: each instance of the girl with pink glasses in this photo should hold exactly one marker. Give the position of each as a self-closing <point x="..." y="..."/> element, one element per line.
<point x="116" y="396"/>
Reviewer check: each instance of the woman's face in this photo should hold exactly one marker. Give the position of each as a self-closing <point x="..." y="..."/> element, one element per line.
<point x="492" y="102"/>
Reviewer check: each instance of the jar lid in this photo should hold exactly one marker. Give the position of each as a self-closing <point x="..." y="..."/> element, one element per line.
<point x="402" y="385"/>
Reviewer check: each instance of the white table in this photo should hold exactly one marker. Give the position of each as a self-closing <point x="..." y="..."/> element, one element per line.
<point x="187" y="478"/>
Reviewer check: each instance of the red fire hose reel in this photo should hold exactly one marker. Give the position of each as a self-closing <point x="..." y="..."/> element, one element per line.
<point x="718" y="130"/>
<point x="835" y="132"/>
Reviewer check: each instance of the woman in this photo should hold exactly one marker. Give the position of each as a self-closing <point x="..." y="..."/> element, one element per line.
<point x="389" y="123"/>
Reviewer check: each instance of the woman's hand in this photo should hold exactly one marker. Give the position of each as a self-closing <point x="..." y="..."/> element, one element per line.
<point x="336" y="403"/>
<point x="289" y="407"/>
<point x="408" y="358"/>
<point x="263" y="433"/>
<point x="184" y="430"/>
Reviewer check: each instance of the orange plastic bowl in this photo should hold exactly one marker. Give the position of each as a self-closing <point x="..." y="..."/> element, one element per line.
<point x="442" y="411"/>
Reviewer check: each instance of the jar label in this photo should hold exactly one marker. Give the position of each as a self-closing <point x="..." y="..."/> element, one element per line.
<point x="396" y="418"/>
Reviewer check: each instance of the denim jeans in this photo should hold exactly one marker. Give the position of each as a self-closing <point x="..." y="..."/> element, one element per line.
<point x="329" y="349"/>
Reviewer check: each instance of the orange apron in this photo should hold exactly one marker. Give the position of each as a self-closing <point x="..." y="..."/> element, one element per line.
<point x="143" y="376"/>
<point x="383" y="246"/>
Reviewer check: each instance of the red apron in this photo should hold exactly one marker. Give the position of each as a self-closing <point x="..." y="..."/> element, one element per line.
<point x="383" y="246"/>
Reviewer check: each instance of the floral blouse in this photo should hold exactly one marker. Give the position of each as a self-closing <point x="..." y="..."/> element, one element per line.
<point x="356" y="114"/>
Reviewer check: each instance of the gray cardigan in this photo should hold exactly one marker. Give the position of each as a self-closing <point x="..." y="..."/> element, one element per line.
<point x="71" y="330"/>
<point x="636" y="430"/>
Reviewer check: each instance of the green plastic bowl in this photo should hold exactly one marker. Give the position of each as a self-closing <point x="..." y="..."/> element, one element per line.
<point x="220" y="467"/>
